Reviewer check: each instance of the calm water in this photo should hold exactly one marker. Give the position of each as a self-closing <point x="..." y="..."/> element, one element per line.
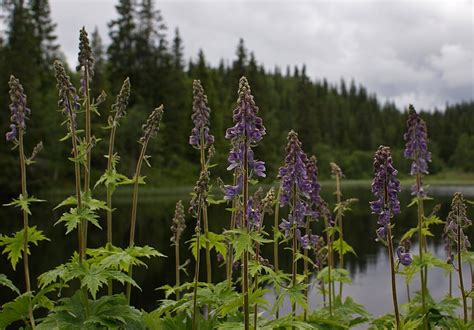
<point x="369" y="270"/>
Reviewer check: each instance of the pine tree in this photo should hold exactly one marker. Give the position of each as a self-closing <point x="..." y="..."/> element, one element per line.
<point x="44" y="29"/>
<point x="177" y="51"/>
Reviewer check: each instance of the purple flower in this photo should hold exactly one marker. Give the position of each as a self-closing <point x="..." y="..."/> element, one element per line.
<point x="404" y="257"/>
<point x="18" y="108"/>
<point x="416" y="148"/>
<point x="385" y="187"/>
<point x="314" y="197"/>
<point x="248" y="129"/>
<point x="200" y="117"/>
<point x="68" y="98"/>
<point x="309" y="241"/>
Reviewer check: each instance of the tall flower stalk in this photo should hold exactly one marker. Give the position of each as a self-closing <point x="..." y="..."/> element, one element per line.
<point x="416" y="149"/>
<point x="295" y="189"/>
<point x="456" y="223"/>
<point x="385" y="187"/>
<point x="19" y="114"/>
<point x="69" y="102"/>
<point x="202" y="140"/>
<point x="86" y="67"/>
<point x="150" y="130"/>
<point x="177" y="228"/>
<point x="309" y="241"/>
<point x="337" y="174"/>
<point x="200" y="193"/>
<point x="247" y="131"/>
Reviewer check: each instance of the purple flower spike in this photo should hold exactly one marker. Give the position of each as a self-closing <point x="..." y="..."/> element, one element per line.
<point x="248" y="129"/>
<point x="416" y="148"/>
<point x="314" y="197"/>
<point x="200" y="117"/>
<point x="18" y="108"/>
<point x="385" y="187"/>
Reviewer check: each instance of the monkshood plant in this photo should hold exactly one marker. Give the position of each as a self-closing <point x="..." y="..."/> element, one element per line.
<point x="247" y="131"/>
<point x="17" y="246"/>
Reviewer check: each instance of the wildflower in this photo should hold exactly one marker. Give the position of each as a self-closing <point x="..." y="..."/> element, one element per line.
<point x="457" y="220"/>
<point x="152" y="125"/>
<point x="200" y="117"/>
<point x="18" y="108"/>
<point x="309" y="241"/>
<point x="85" y="59"/>
<point x="248" y="130"/>
<point x="200" y="193"/>
<point x="403" y="253"/>
<point x="178" y="223"/>
<point x="68" y="98"/>
<point x="416" y="148"/>
<point x="314" y="197"/>
<point x="293" y="174"/>
<point x="120" y="106"/>
<point x="268" y="201"/>
<point x="36" y="151"/>
<point x="336" y="170"/>
<point x="385" y="187"/>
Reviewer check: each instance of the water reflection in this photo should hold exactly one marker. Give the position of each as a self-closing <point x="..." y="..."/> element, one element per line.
<point x="369" y="270"/>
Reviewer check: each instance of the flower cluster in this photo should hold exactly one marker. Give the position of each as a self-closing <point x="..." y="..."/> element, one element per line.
<point x="68" y="98"/>
<point x="314" y="204"/>
<point x="18" y="108"/>
<point x="178" y="223"/>
<point x="385" y="187"/>
<point x="294" y="184"/>
<point x="152" y="125"/>
<point x="120" y="106"/>
<point x="248" y="130"/>
<point x="336" y="170"/>
<point x="200" y="117"/>
<point x="457" y="221"/>
<point x="200" y="192"/>
<point x="416" y="147"/>
<point x="85" y="59"/>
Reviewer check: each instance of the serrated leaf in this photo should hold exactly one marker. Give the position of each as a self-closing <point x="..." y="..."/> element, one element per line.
<point x="24" y="202"/>
<point x="14" y="244"/>
<point x="9" y="284"/>
<point x="346" y="248"/>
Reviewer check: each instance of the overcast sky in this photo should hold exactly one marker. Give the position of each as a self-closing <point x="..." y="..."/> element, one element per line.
<point x="419" y="52"/>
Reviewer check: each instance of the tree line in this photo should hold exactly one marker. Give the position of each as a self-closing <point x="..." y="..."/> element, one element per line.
<point x="337" y="121"/>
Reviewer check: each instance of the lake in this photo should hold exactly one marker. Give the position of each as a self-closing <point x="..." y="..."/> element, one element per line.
<point x="369" y="270"/>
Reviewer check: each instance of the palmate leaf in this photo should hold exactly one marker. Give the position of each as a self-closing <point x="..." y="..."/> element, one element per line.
<point x="24" y="202"/>
<point x="4" y="281"/>
<point x="117" y="258"/>
<point x="75" y="216"/>
<point x="428" y="261"/>
<point x="14" y="244"/>
<point x="15" y="310"/>
<point x="110" y="312"/>
<point x="346" y="248"/>
<point x="337" y="275"/>
<point x="86" y="200"/>
<point x="111" y="179"/>
<point x="285" y="322"/>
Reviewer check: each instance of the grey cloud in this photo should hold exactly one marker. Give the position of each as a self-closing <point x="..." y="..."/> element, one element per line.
<point x="405" y="51"/>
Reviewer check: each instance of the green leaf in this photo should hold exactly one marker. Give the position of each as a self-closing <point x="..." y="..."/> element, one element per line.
<point x="74" y="217"/>
<point x="24" y="202"/>
<point x="346" y="248"/>
<point x="9" y="284"/>
<point x="14" y="244"/>
<point x="15" y="310"/>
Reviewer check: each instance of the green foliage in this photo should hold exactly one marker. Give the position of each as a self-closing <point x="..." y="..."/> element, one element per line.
<point x="337" y="275"/>
<point x="346" y="248"/>
<point x="14" y="245"/>
<point x="215" y="241"/>
<point x="4" y="281"/>
<point x="346" y="314"/>
<point x="428" y="261"/>
<point x="24" y="202"/>
<point x="108" y="312"/>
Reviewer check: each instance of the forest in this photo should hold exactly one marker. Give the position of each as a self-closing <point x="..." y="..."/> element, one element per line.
<point x="342" y="121"/>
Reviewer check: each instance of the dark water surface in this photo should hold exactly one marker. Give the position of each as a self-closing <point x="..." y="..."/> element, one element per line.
<point x="369" y="270"/>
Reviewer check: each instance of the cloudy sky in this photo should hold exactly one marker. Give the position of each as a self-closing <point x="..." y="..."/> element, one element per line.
<point x="419" y="52"/>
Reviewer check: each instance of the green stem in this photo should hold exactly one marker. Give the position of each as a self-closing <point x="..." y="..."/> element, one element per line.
<point x="196" y="270"/>
<point x="294" y="264"/>
<point x="255" y="307"/>
<point x="245" y="281"/>
<point x="461" y="283"/>
<point x="392" y="273"/>
<point x="24" y="193"/>
<point x="275" y="242"/>
<point x="341" y="233"/>
<point x="176" y="250"/>
<point x="472" y="290"/>
<point x="330" y="265"/>
<point x="109" y="197"/>
<point x="230" y="255"/>
<point x="421" y="246"/>
<point x="87" y="175"/>
<point x="306" y="271"/>
<point x="204" y="211"/>
<point x="133" y="220"/>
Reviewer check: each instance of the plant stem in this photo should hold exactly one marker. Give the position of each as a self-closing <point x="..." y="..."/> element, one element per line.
<point x="109" y="196"/>
<point x="421" y="245"/>
<point x="330" y="264"/>
<point x="204" y="211"/>
<point x="255" y="307"/>
<point x="176" y="252"/>
<point x="392" y="272"/>
<point x="275" y="242"/>
<point x="196" y="269"/>
<point x="133" y="220"/>
<point x="24" y="193"/>
<point x="341" y="233"/>
<point x="87" y="171"/>
<point x="305" y="270"/>
<point x="245" y="281"/>
<point x="472" y="290"/>
<point x="461" y="283"/>
<point x="408" y="292"/>
<point x="294" y="264"/>
<point x="230" y="255"/>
